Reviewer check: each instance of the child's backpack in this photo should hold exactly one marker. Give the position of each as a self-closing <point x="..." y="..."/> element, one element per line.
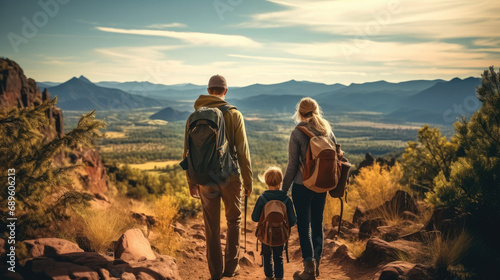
<point x="321" y="169"/>
<point x="209" y="157"/>
<point x="273" y="228"/>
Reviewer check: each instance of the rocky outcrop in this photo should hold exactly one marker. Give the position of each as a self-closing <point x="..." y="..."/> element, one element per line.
<point x="53" y="258"/>
<point x="93" y="176"/>
<point x="133" y="246"/>
<point x="401" y="204"/>
<point x="18" y="91"/>
<point x="50" y="247"/>
<point x="370" y="160"/>
<point x="379" y="251"/>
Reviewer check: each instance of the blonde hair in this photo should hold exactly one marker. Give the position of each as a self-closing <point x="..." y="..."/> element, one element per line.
<point x="273" y="176"/>
<point x="310" y="110"/>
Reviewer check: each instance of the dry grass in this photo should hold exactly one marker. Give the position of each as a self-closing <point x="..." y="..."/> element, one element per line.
<point x="102" y="227"/>
<point x="165" y="211"/>
<point x="371" y="188"/>
<point x="448" y="252"/>
<point x="356" y="247"/>
<point x="376" y="184"/>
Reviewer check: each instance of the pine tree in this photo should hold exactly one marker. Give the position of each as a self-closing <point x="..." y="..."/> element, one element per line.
<point x="24" y="148"/>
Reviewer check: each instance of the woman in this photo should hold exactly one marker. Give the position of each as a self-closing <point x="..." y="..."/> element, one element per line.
<point x="309" y="205"/>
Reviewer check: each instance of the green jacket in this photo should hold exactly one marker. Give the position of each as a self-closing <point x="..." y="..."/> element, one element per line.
<point x="236" y="136"/>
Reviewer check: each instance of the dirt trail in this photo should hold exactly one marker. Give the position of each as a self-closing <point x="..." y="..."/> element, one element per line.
<point x="192" y="261"/>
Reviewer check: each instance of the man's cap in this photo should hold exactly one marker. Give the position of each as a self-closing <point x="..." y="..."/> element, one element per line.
<point x="217" y="81"/>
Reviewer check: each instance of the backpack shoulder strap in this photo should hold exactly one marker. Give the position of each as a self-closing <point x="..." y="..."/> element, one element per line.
<point x="264" y="199"/>
<point x="227" y="107"/>
<point x="306" y="131"/>
<point x="286" y="199"/>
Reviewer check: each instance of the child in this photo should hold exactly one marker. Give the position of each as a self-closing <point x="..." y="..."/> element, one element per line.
<point x="273" y="179"/>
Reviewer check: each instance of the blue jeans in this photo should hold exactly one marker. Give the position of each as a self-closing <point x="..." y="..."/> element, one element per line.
<point x="309" y="207"/>
<point x="277" y="259"/>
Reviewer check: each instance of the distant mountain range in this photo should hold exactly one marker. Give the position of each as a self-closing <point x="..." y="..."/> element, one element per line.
<point x="413" y="101"/>
<point x="81" y="94"/>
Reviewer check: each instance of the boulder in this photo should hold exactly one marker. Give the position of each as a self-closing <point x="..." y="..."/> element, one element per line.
<point x="378" y="251"/>
<point x="132" y="246"/>
<point x="369" y="227"/>
<point x="84" y="265"/>
<point x="164" y="267"/>
<point x="50" y="247"/>
<point x="346" y="224"/>
<point x="342" y="254"/>
<point x="448" y="220"/>
<point x="394" y="270"/>
<point x="359" y="215"/>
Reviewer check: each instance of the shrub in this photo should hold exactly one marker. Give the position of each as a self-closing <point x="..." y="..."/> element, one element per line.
<point x="102" y="227"/>
<point x="165" y="211"/>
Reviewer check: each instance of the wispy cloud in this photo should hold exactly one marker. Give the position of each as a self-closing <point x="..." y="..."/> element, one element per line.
<point x="279" y="59"/>
<point x="166" y="25"/>
<point x="428" y="19"/>
<point x="195" y="38"/>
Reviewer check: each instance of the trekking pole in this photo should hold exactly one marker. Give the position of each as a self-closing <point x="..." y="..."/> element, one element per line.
<point x="286" y="249"/>
<point x="245" y="218"/>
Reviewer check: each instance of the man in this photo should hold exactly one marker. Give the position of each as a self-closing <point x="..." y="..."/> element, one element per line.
<point x="229" y="191"/>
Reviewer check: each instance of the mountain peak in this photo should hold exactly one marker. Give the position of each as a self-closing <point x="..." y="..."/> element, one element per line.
<point x="84" y="79"/>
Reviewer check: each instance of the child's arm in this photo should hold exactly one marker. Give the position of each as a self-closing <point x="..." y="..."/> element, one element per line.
<point x="257" y="210"/>
<point x="292" y="218"/>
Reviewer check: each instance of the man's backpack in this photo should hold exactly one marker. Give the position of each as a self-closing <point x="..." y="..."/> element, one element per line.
<point x="321" y="169"/>
<point x="273" y="228"/>
<point x="209" y="157"/>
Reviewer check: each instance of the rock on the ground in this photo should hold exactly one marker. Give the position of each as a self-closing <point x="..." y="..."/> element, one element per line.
<point x="179" y="228"/>
<point x="369" y="227"/>
<point x="50" y="247"/>
<point x="378" y="251"/>
<point x="401" y="270"/>
<point x="342" y="254"/>
<point x="448" y="220"/>
<point x="346" y="224"/>
<point x="133" y="246"/>
<point x="84" y="265"/>
<point x="394" y="270"/>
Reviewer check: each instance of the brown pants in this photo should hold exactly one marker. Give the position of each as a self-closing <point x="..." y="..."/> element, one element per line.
<point x="210" y="199"/>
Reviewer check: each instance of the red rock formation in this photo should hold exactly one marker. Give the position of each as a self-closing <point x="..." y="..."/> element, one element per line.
<point x="18" y="91"/>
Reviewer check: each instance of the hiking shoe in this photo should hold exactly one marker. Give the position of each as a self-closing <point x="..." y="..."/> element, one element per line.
<point x="307" y="274"/>
<point x="234" y="273"/>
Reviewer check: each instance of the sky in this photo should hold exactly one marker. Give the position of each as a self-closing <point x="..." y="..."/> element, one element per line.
<point x="251" y="41"/>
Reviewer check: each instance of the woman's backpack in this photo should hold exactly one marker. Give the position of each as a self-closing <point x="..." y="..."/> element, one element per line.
<point x="322" y="167"/>
<point x="209" y="159"/>
<point x="273" y="228"/>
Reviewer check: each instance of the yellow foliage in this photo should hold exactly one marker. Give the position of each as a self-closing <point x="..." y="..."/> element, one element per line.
<point x="102" y="227"/>
<point x="165" y="211"/>
<point x="375" y="184"/>
<point x="370" y="188"/>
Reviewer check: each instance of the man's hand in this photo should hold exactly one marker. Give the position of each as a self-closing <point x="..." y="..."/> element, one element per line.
<point x="194" y="190"/>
